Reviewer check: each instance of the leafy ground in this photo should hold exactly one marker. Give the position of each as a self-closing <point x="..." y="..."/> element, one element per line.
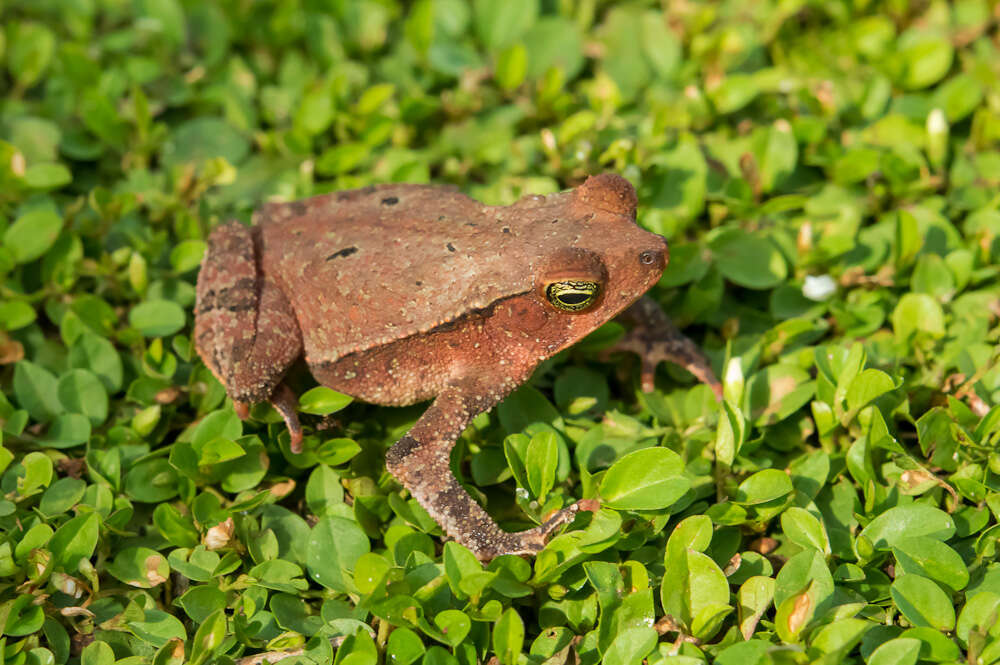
<point x="828" y="175"/>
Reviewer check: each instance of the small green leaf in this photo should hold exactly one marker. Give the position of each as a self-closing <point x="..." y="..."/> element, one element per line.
<point x="931" y="558"/>
<point x="764" y="486"/>
<point x="16" y="314"/>
<point x="908" y="521"/>
<point x="75" y="540"/>
<point x="324" y="491"/>
<point x="748" y="260"/>
<point x="899" y="651"/>
<point x="321" y="401"/>
<point x="157" y="318"/>
<point x="335" y="544"/>
<point x="404" y="647"/>
<point x="647" y="479"/>
<point x="209" y="637"/>
<point x="803" y="529"/>
<point x="187" y="255"/>
<point x="541" y="460"/>
<point x="922" y="602"/>
<point x="917" y="313"/>
<point x="81" y="391"/>
<point x="140" y="567"/>
<point x="36" y="390"/>
<point x="508" y="637"/>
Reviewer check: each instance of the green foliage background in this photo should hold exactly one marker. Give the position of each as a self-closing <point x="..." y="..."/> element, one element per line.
<point x="828" y="175"/>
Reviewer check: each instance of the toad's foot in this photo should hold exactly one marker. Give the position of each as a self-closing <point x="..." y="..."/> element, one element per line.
<point x="421" y="462"/>
<point x="533" y="541"/>
<point x="284" y="401"/>
<point x="655" y="339"/>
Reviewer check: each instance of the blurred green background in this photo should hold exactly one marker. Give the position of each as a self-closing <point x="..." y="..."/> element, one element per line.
<point x="828" y="177"/>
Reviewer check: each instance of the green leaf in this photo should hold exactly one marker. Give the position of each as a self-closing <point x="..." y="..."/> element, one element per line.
<point x="36" y="390"/>
<point x="922" y="59"/>
<point x="23" y="616"/>
<point x="140" y="567"/>
<point x="647" y="479"/>
<point x="541" y="460"/>
<point x="508" y="637"/>
<point x="32" y="234"/>
<point x="209" y="637"/>
<point x="335" y="544"/>
<point x="32" y="46"/>
<point x="81" y="391"/>
<point x="157" y="318"/>
<point x="917" y="313"/>
<point x="16" y="314"/>
<point x="512" y="66"/>
<point x="734" y="92"/>
<point x="324" y="493"/>
<point x="908" y="521"/>
<point x="61" y="496"/>
<point x="499" y="24"/>
<point x="67" y="430"/>
<point x="322" y="401"/>
<point x="764" y="486"/>
<point x="695" y="590"/>
<point x="748" y="260"/>
<point x="37" y="473"/>
<point x="931" y="558"/>
<point x="803" y="529"/>
<point x="404" y="647"/>
<point x="203" y="138"/>
<point x="631" y="645"/>
<point x="187" y="255"/>
<point x="178" y="529"/>
<point x="922" y="602"/>
<point x="98" y="355"/>
<point x="75" y="540"/>
<point x="754" y="598"/>
<point x="454" y="626"/>
<point x="899" y="651"/>
<point x="866" y="387"/>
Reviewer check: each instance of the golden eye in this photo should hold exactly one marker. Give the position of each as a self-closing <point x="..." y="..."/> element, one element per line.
<point x="572" y="296"/>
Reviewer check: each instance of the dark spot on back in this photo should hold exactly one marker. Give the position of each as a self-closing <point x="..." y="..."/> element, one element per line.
<point x="347" y="251"/>
<point x="419" y="283"/>
<point x="451" y="248"/>
<point x="298" y="208"/>
<point x="506" y="229"/>
<point x="470" y="224"/>
<point x="390" y="200"/>
<point x="441" y="218"/>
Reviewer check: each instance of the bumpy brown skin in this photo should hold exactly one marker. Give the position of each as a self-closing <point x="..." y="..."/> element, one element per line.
<point x="401" y="293"/>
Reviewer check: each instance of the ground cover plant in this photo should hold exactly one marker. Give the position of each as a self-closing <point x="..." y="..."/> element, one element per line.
<point x="828" y="176"/>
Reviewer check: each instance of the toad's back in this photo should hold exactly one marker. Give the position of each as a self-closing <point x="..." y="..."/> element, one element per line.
<point x="372" y="266"/>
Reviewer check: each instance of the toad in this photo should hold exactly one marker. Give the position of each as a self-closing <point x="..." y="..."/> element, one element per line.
<point x="397" y="294"/>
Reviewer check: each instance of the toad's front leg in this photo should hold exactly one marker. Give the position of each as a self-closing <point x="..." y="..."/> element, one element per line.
<point x="655" y="339"/>
<point x="244" y="326"/>
<point x="420" y="461"/>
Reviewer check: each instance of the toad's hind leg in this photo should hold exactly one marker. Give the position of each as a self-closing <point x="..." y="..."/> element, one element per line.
<point x="420" y="461"/>
<point x="245" y="328"/>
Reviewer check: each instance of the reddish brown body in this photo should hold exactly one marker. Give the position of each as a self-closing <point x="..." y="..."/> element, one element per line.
<point x="400" y="293"/>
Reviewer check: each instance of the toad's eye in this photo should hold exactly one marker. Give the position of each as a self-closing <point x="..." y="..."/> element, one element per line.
<point x="572" y="296"/>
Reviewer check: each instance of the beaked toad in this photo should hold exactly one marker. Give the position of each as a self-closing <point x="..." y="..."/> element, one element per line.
<point x="397" y="294"/>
